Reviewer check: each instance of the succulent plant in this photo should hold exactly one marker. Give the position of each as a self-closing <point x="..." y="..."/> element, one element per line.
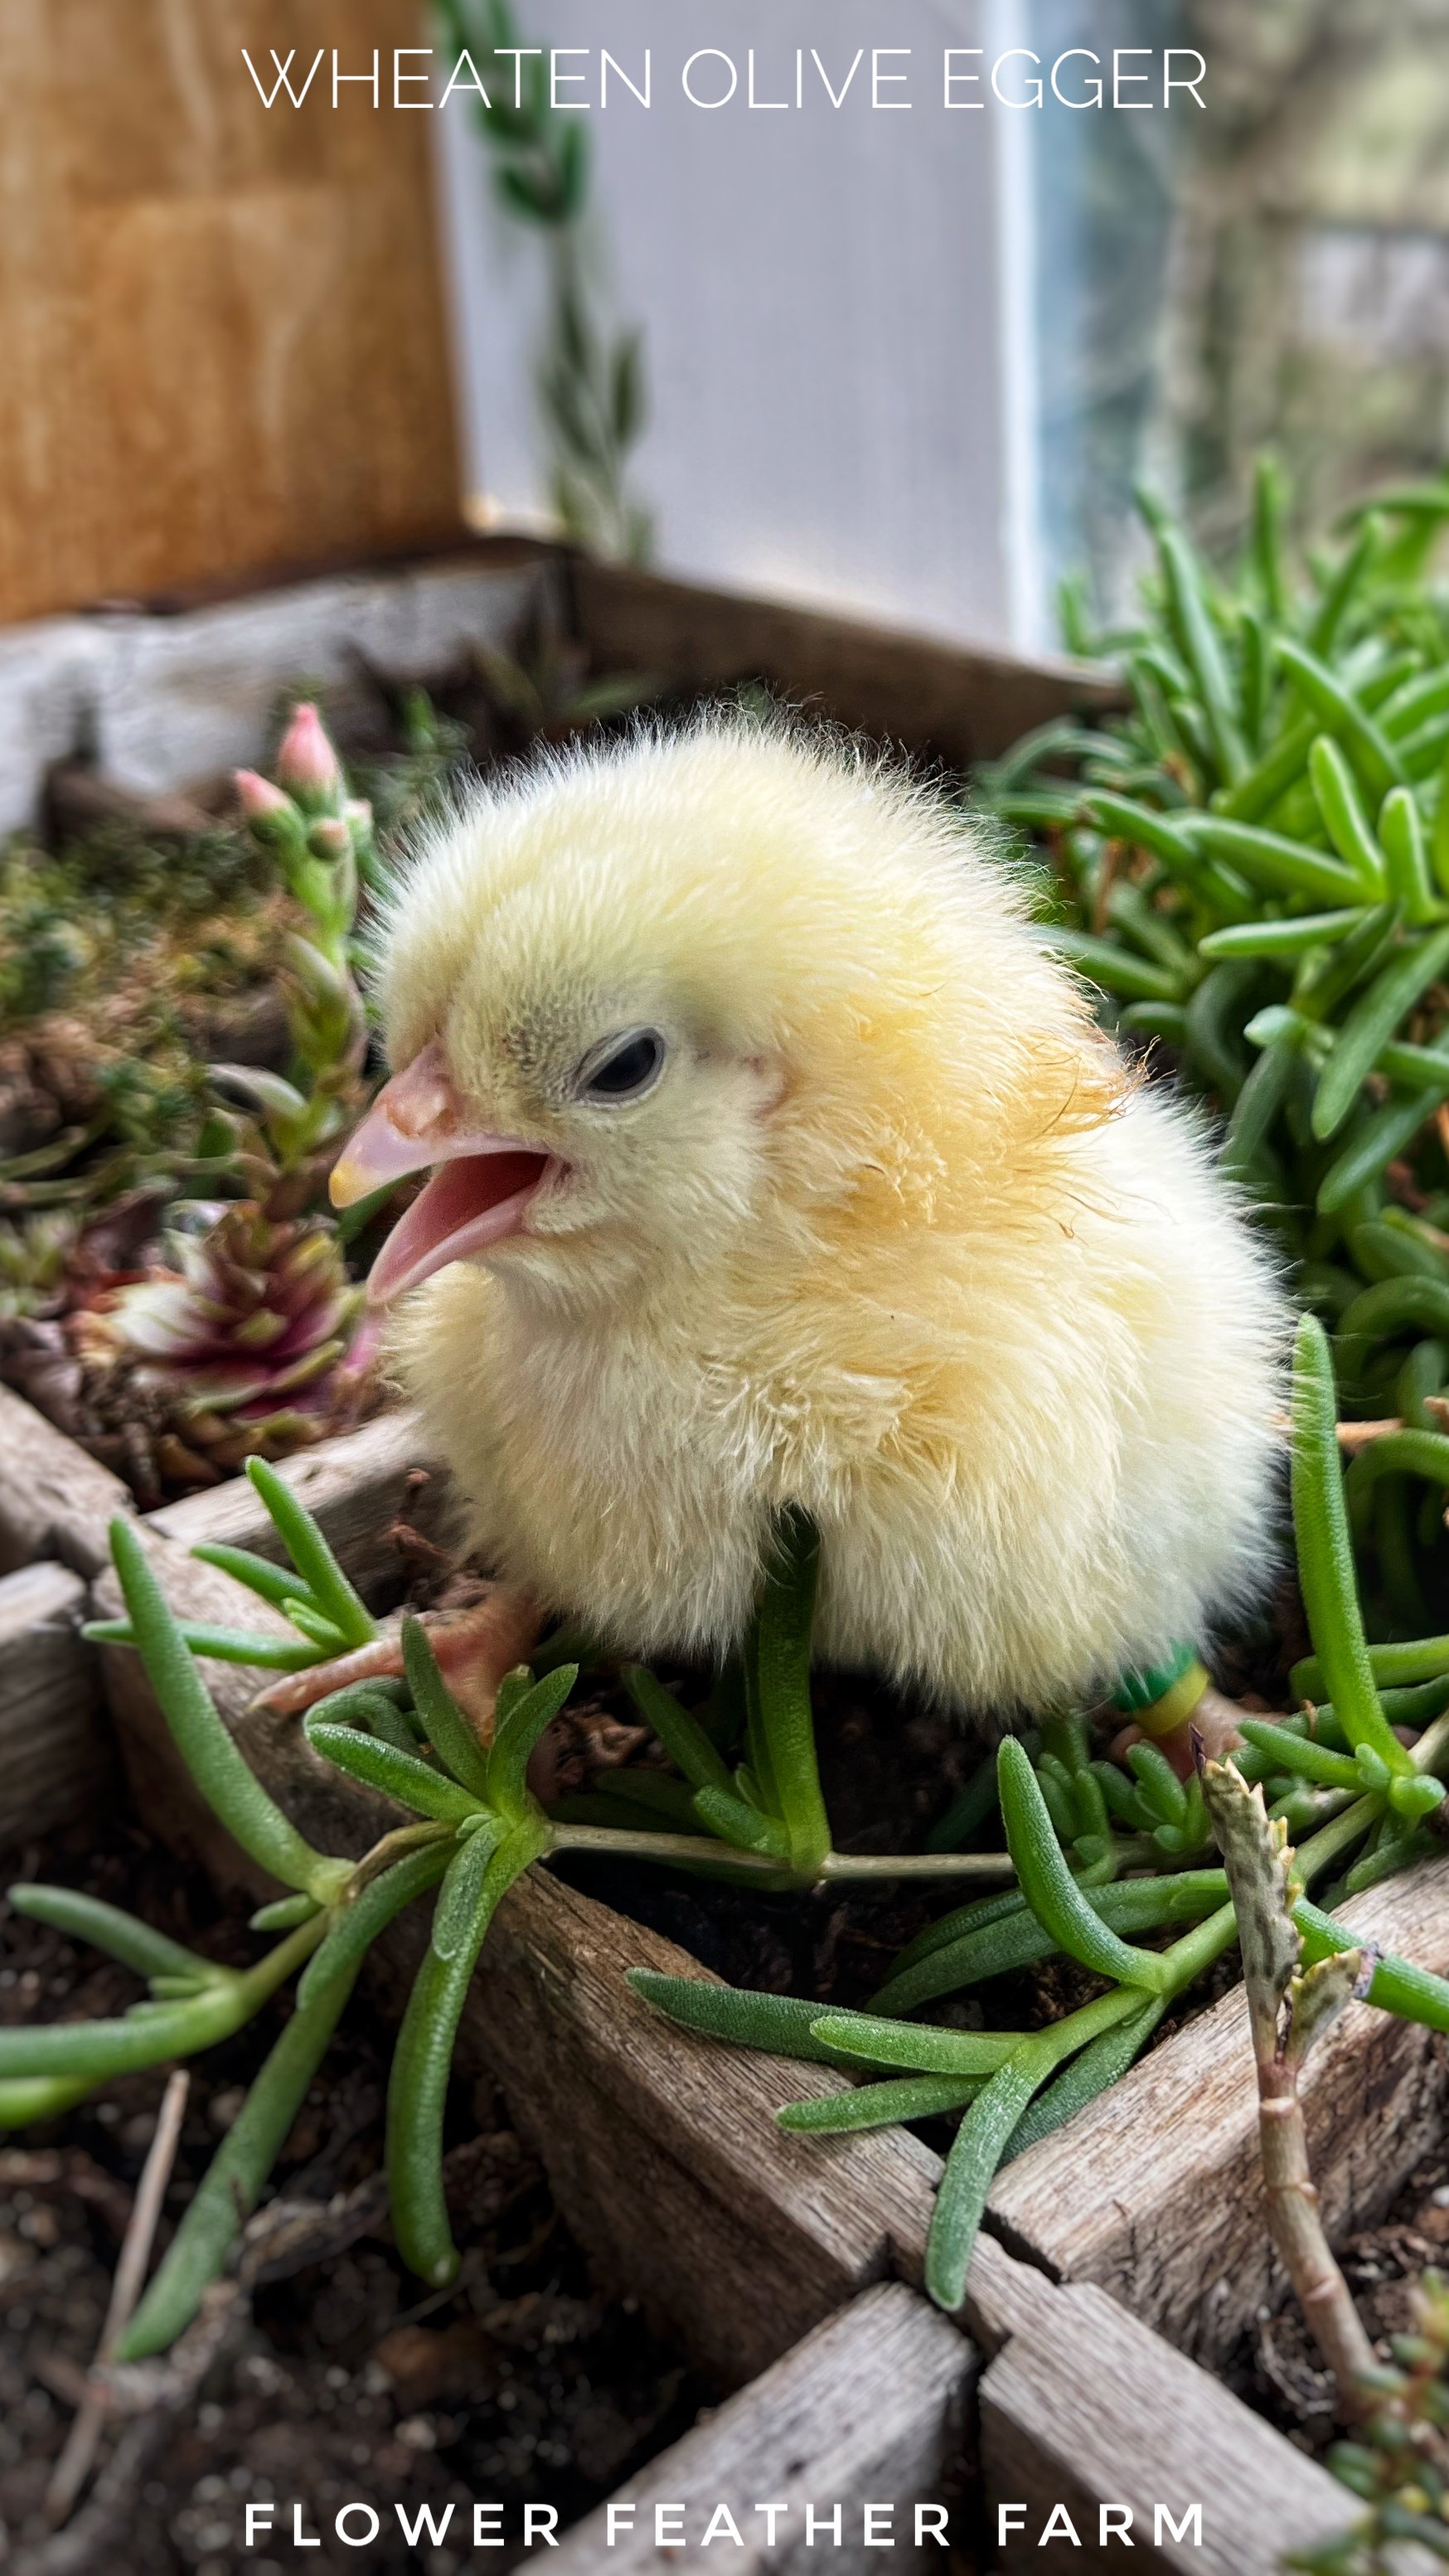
<point x="33" y="1257"/>
<point x="240" y="1341"/>
<point x="322" y="841"/>
<point x="234" y="1346"/>
<point x="743" y="1802"/>
<point x="591" y="379"/>
<point x="1251" y="863"/>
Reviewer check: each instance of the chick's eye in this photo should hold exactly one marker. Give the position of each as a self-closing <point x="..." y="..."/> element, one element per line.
<point x="626" y="1067"/>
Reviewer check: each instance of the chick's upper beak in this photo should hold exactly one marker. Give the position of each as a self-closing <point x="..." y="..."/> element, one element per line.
<point x="418" y="1119"/>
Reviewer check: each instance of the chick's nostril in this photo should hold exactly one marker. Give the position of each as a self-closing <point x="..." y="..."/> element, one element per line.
<point x="421" y="1101"/>
<point x="432" y="1110"/>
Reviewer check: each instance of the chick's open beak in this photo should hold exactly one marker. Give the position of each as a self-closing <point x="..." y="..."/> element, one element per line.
<point x="480" y="1195"/>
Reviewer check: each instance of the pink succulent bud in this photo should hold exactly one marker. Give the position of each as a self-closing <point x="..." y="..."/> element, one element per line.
<point x="271" y="817"/>
<point x="330" y="838"/>
<point x="307" y="764"/>
<point x="261" y="802"/>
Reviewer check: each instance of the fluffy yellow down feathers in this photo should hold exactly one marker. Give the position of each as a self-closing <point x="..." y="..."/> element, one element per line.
<point x="889" y="1232"/>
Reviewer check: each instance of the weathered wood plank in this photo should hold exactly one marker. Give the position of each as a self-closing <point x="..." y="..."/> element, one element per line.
<point x="194" y="293"/>
<point x="56" y="1757"/>
<point x="666" y="2162"/>
<point x="1155" y="2190"/>
<point x="686" y="2181"/>
<point x="356" y="1486"/>
<point x="1097" y="2411"/>
<point x="663" y="2151"/>
<point x="966" y="703"/>
<point x="1003" y="2297"/>
<point x="867" y="2410"/>
<point x="55" y="1499"/>
<point x="179" y="697"/>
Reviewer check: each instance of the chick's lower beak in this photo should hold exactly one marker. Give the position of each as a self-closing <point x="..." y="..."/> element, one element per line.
<point x="483" y="1194"/>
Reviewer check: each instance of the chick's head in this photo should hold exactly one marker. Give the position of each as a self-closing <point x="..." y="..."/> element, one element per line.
<point x="654" y="999"/>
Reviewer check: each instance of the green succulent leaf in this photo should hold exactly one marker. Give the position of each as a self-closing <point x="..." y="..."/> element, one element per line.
<point x="1049" y="1888"/>
<point x="327" y="1585"/>
<point x="230" y="1788"/>
<point x="398" y="1775"/>
<point x="444" y="1724"/>
<point x="515" y="1735"/>
<point x="878" y="2106"/>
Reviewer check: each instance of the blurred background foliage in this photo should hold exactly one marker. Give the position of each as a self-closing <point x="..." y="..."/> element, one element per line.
<point x="1274" y="273"/>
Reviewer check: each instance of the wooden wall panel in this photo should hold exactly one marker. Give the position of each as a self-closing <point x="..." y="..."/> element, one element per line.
<point x="221" y="327"/>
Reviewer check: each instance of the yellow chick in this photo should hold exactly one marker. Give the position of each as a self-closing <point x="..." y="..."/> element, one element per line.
<point x="779" y="1162"/>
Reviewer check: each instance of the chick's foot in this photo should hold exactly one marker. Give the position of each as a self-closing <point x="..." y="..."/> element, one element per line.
<point x="474" y="1647"/>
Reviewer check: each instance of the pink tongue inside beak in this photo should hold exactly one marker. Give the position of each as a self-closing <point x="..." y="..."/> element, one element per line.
<point x="470" y="1203"/>
<point x="480" y="1194"/>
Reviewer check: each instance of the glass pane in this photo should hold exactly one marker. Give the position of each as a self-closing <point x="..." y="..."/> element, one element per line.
<point x="1273" y="272"/>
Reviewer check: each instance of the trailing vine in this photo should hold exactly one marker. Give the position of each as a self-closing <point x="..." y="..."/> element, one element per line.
<point x="590" y="378"/>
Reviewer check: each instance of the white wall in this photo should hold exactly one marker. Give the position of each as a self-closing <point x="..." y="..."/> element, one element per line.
<point x="832" y="382"/>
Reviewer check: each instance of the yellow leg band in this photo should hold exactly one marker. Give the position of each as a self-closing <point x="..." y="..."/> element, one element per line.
<point x="1163" y="1716"/>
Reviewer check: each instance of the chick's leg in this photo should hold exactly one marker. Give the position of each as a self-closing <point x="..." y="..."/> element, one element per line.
<point x="1214" y="1721"/>
<point x="474" y="1647"/>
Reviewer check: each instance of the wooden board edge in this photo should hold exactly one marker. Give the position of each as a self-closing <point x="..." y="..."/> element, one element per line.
<point x="1087" y="2414"/>
<point x="57" y="1758"/>
<point x="1165" y="2210"/>
<point x="869" y="2411"/>
<point x="929" y="694"/>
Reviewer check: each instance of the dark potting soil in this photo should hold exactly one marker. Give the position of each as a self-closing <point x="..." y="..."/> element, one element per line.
<point x="887" y="1771"/>
<point x="339" y="2377"/>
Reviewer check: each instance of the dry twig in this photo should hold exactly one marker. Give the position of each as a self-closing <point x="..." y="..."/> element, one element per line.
<point x="74" y="2464"/>
<point x="1288" y="2009"/>
<point x="151" y="2394"/>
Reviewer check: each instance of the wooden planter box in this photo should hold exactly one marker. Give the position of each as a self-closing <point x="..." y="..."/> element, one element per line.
<point x="1119" y="2257"/>
<point x="788" y="2269"/>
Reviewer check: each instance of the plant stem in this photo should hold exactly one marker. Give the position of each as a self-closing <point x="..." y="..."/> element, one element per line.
<point x="256" y="1984"/>
<point x="1198" y="1948"/>
<point x="1342" y="1832"/>
<point x="1339" y="1835"/>
<point x="836" y="1866"/>
<point x="1314" y="1858"/>
<point x="1287" y="2009"/>
<point x="848" y="1865"/>
<point x="1298" y="2235"/>
<point x="73" y="2466"/>
<point x="396" y="1846"/>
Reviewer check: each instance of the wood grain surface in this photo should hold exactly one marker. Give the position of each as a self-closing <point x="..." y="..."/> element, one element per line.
<point x="1155" y="2190"/>
<point x="868" y="2407"/>
<point x="222" y="324"/>
<point x="55" y="1499"/>
<point x="56" y="1756"/>
<point x="1088" y="2408"/>
<point x="960" y="702"/>
<point x="665" y="2156"/>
